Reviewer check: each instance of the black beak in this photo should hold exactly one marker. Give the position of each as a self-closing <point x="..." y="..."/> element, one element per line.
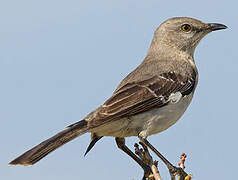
<point x="215" y="26"/>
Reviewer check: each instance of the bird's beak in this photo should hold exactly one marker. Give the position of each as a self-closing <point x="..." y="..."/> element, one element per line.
<point x="216" y="26"/>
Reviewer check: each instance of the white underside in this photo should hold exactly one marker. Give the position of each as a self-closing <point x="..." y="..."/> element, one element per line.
<point x="147" y="123"/>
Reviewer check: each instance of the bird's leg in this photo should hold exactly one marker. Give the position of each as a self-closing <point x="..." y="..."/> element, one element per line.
<point x="173" y="170"/>
<point x="121" y="145"/>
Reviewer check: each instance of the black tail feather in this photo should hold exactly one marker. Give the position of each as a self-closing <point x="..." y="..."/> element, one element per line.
<point x="94" y="139"/>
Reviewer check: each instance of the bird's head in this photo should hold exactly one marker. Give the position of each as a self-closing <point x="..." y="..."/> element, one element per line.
<point x="182" y="33"/>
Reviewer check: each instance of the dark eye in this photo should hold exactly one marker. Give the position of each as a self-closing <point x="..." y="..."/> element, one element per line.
<point x="186" y="27"/>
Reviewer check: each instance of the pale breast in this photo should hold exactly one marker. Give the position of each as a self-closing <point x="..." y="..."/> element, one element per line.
<point x="161" y="119"/>
<point x="147" y="123"/>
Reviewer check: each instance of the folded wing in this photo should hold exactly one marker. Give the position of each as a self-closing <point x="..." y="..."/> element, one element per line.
<point x="137" y="97"/>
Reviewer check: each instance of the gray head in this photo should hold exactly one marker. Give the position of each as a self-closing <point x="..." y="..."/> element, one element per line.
<point x="181" y="33"/>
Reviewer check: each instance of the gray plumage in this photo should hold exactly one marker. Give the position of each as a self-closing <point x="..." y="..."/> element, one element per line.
<point x="150" y="99"/>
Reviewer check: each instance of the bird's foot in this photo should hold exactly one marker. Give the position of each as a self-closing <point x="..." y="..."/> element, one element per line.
<point x="147" y="172"/>
<point x="177" y="171"/>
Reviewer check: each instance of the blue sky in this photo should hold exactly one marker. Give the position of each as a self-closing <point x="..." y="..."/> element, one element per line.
<point x="61" y="59"/>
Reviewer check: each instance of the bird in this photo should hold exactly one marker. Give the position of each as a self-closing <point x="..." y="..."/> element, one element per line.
<point x="147" y="101"/>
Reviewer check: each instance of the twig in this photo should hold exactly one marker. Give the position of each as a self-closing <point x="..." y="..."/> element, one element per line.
<point x="145" y="156"/>
<point x="181" y="163"/>
<point x="156" y="172"/>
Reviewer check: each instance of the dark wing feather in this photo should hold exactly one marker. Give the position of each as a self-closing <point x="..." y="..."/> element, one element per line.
<point x="137" y="97"/>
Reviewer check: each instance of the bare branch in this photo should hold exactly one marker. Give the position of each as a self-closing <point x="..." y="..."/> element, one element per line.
<point x="145" y="156"/>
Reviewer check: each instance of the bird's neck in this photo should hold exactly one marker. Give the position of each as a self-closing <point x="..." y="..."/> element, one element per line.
<point x="165" y="50"/>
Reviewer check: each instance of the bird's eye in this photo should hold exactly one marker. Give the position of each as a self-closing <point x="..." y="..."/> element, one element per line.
<point x="186" y="27"/>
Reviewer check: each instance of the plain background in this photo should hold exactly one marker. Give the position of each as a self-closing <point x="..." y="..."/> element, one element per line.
<point x="61" y="59"/>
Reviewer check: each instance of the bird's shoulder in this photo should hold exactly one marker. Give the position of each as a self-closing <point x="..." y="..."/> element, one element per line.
<point x="158" y="68"/>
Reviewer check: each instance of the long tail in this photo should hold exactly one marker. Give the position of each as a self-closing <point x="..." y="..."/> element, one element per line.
<point x="41" y="150"/>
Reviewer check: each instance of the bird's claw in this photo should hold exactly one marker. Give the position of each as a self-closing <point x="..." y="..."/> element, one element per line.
<point x="177" y="171"/>
<point x="147" y="173"/>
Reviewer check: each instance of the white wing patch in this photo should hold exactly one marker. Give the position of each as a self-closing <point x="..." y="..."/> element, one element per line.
<point x="175" y="97"/>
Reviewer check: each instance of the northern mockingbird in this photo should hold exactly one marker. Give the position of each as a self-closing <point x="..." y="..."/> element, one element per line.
<point x="149" y="100"/>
